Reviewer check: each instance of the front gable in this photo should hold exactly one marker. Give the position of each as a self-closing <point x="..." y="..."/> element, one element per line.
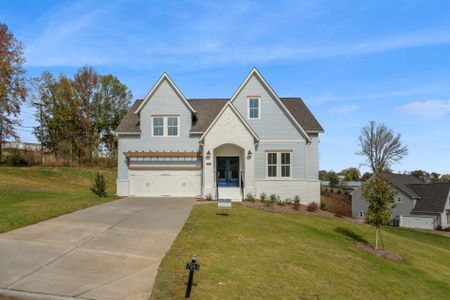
<point x="229" y="127"/>
<point x="165" y="100"/>
<point x="275" y="122"/>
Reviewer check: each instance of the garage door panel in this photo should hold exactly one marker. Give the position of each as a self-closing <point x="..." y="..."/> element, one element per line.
<point x="165" y="183"/>
<point x="418" y="222"/>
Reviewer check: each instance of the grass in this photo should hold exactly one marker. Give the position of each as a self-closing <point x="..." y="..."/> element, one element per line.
<point x="33" y="194"/>
<point x="255" y="254"/>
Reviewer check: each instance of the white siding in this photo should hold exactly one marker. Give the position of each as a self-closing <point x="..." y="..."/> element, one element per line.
<point x="164" y="101"/>
<point x="273" y="122"/>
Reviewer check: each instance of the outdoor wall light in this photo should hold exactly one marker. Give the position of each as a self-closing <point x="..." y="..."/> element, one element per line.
<point x="208" y="154"/>
<point x="249" y="154"/>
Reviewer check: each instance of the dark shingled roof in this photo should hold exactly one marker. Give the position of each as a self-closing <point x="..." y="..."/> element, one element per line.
<point x="130" y="122"/>
<point x="207" y="110"/>
<point x="433" y="196"/>
<point x="402" y="182"/>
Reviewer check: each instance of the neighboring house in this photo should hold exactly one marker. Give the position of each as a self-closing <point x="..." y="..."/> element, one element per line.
<point x="417" y="204"/>
<point x="254" y="142"/>
<point x="347" y="185"/>
<point x="17" y="144"/>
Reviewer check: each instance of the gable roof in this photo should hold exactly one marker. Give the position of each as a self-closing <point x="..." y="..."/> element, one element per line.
<point x="433" y="197"/>
<point x="166" y="77"/>
<point x="402" y="182"/>
<point x="208" y="108"/>
<point x="234" y="110"/>
<point x="255" y="72"/>
<point x="130" y="123"/>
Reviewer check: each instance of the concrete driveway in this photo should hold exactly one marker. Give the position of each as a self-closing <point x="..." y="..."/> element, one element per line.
<point x="110" y="251"/>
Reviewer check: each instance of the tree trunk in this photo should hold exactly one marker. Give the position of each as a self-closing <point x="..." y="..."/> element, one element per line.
<point x="376" y="238"/>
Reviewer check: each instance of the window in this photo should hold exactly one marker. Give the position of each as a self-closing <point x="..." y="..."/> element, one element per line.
<point x="285" y="164"/>
<point x="361" y="214"/>
<point x="272" y="164"/>
<point x="253" y="108"/>
<point x="279" y="164"/>
<point x="158" y="126"/>
<point x="165" y="125"/>
<point x="399" y="198"/>
<point x="172" y="126"/>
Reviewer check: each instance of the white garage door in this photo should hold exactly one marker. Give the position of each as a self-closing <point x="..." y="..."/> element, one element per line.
<point x="165" y="183"/>
<point x="418" y="222"/>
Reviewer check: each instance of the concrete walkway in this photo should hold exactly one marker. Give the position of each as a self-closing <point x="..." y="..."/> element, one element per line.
<point x="110" y="251"/>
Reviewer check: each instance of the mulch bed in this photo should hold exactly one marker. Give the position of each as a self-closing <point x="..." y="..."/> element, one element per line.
<point x="380" y="253"/>
<point x="287" y="209"/>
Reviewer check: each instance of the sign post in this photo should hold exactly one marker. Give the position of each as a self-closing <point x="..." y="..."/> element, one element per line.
<point x="224" y="205"/>
<point x="193" y="266"/>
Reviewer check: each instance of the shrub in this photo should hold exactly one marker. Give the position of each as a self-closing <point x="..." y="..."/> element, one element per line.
<point x="208" y="197"/>
<point x="18" y="159"/>
<point x="273" y="197"/>
<point x="288" y="200"/>
<point x="263" y="197"/>
<point x="296" y="204"/>
<point x="99" y="187"/>
<point x="339" y="192"/>
<point x="250" y="197"/>
<point x="312" y="207"/>
<point x="281" y="202"/>
<point x="447" y="229"/>
<point x="323" y="206"/>
<point x="439" y="227"/>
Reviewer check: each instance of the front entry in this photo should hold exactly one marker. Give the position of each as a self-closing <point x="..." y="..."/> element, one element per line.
<point x="227" y="171"/>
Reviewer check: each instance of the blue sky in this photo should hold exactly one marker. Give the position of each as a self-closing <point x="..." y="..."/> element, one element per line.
<point x="351" y="61"/>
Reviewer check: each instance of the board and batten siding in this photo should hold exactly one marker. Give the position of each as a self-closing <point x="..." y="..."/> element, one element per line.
<point x="273" y="123"/>
<point x="164" y="101"/>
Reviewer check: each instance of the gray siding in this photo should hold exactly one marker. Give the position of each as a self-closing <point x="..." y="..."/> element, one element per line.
<point x="298" y="159"/>
<point x="403" y="208"/>
<point x="163" y="101"/>
<point x="274" y="123"/>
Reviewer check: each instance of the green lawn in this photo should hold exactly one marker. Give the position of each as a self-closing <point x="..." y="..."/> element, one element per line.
<point x="255" y="254"/>
<point x="33" y="194"/>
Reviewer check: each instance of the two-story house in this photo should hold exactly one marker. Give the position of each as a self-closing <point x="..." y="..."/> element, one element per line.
<point x="254" y="142"/>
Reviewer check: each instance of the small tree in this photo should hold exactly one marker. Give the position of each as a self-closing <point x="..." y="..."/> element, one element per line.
<point x="333" y="179"/>
<point x="99" y="187"/>
<point x="380" y="194"/>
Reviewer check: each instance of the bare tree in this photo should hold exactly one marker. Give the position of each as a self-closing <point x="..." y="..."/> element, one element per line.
<point x="12" y="83"/>
<point x="381" y="146"/>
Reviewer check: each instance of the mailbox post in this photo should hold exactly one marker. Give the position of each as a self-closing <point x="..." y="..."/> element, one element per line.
<point x="193" y="266"/>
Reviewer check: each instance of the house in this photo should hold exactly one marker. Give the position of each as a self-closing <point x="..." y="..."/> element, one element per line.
<point x="19" y="145"/>
<point x="254" y="142"/>
<point x="417" y="204"/>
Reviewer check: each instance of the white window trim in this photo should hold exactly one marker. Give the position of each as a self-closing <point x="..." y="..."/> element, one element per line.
<point x="278" y="177"/>
<point x="259" y="108"/>
<point x="165" y="125"/>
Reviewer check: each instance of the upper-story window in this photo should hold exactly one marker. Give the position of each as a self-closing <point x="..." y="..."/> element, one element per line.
<point x="254" y="108"/>
<point x="279" y="164"/>
<point x="165" y="125"/>
<point x="158" y="126"/>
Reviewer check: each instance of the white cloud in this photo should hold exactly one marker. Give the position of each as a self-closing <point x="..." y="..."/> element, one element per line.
<point x="428" y="108"/>
<point x="345" y="109"/>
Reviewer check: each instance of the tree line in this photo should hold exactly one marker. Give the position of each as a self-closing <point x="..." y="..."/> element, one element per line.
<point x="76" y="115"/>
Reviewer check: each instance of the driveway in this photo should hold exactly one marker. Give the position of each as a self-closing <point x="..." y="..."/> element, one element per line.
<point x="110" y="251"/>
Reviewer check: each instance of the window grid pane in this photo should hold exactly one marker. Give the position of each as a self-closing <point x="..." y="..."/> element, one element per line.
<point x="158" y="126"/>
<point x="172" y="131"/>
<point x="272" y="164"/>
<point x="285" y="164"/>
<point x="253" y="108"/>
<point x="172" y="121"/>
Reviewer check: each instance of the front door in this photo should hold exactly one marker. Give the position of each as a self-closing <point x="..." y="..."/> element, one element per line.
<point x="227" y="171"/>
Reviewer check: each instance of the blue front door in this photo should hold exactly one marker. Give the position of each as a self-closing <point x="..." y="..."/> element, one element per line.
<point x="227" y="171"/>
